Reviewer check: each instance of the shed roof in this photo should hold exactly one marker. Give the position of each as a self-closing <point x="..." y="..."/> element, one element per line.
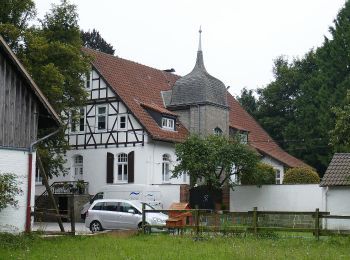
<point x="36" y="90"/>
<point x="338" y="171"/>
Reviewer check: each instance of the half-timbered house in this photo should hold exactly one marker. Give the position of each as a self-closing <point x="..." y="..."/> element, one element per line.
<point x="23" y="111"/>
<point x="135" y="114"/>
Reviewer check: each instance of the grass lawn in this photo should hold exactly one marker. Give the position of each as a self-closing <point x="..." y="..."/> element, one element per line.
<point x="163" y="246"/>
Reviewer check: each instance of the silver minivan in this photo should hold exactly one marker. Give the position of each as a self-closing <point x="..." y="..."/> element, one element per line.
<point x="120" y="214"/>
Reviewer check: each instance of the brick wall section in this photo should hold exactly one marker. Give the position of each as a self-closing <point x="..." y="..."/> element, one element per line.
<point x="184" y="193"/>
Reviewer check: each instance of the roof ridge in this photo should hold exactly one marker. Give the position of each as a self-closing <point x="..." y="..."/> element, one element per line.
<point x="134" y="62"/>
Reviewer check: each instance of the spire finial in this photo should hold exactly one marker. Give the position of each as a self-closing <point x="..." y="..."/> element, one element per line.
<point x="200" y="39"/>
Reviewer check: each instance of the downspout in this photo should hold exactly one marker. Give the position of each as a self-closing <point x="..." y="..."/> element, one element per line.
<point x="30" y="164"/>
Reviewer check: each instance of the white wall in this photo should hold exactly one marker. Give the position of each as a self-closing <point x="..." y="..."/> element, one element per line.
<point x="305" y="197"/>
<point x="301" y="197"/>
<point x="148" y="165"/>
<point x="12" y="161"/>
<point x="275" y="164"/>
<point x="337" y="203"/>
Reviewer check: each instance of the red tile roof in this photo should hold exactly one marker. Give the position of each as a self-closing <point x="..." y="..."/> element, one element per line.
<point x="258" y="138"/>
<point x="140" y="86"/>
<point x="158" y="109"/>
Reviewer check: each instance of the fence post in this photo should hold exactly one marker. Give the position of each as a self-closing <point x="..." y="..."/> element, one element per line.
<point x="72" y="215"/>
<point x="255" y="220"/>
<point x="317" y="223"/>
<point x="197" y="221"/>
<point x="143" y="218"/>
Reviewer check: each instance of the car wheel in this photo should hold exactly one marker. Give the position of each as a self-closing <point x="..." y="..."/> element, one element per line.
<point x="95" y="226"/>
<point x="139" y="228"/>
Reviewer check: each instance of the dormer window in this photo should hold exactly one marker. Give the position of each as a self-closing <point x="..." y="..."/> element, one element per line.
<point x="243" y="137"/>
<point x="217" y="131"/>
<point x="168" y="123"/>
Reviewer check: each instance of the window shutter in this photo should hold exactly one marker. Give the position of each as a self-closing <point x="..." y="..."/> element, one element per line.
<point x="131" y="159"/>
<point x="110" y="167"/>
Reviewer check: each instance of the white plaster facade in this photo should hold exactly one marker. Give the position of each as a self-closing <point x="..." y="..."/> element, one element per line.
<point x="148" y="153"/>
<point x="279" y="168"/>
<point x="16" y="161"/>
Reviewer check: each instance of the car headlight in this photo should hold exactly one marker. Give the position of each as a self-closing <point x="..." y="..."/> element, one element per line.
<point x="158" y="220"/>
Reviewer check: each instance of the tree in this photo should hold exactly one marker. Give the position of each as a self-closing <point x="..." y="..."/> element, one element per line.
<point x="8" y="190"/>
<point x="213" y="159"/>
<point x="295" y="108"/>
<point x="248" y="101"/>
<point x="95" y="41"/>
<point x="262" y="174"/>
<point x="52" y="54"/>
<point x="14" y="18"/>
<point x="340" y="135"/>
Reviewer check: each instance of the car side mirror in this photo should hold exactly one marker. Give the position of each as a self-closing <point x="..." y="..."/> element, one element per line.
<point x="91" y="201"/>
<point x="131" y="211"/>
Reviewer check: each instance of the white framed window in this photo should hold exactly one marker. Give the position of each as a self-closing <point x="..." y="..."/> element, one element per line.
<point x="168" y="123"/>
<point x="88" y="80"/>
<point x="217" y="131"/>
<point x="78" y="166"/>
<point x="101" y="118"/>
<point x="122" y="167"/>
<point x="243" y="137"/>
<point x="278" y="176"/>
<point x="78" y="120"/>
<point x="166" y="168"/>
<point x="122" y="122"/>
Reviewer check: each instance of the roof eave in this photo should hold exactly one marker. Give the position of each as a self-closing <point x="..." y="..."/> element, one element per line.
<point x="30" y="82"/>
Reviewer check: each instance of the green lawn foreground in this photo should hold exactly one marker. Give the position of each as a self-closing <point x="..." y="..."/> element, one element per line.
<point x="171" y="247"/>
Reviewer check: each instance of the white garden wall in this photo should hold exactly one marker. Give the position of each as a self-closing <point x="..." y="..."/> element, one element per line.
<point x="299" y="197"/>
<point x="305" y="197"/>
<point x="13" y="161"/>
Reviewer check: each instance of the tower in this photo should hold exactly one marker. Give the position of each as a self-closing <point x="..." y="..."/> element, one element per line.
<point x="200" y="100"/>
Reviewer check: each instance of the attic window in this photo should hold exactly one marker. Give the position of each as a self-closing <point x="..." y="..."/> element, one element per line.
<point x="168" y="123"/>
<point x="217" y="131"/>
<point x="243" y="137"/>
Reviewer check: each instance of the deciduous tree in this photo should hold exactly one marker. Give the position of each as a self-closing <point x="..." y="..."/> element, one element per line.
<point x="214" y="159"/>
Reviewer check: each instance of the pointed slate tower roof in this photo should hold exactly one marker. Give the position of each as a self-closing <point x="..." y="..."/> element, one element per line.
<point x="198" y="87"/>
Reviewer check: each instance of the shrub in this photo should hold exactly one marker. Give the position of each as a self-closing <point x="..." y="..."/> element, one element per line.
<point x="301" y="175"/>
<point x="8" y="190"/>
<point x="263" y="174"/>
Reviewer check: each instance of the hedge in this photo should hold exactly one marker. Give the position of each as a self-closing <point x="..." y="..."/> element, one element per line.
<point x="301" y="175"/>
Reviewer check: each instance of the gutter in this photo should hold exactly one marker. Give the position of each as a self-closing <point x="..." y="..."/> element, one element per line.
<point x="30" y="165"/>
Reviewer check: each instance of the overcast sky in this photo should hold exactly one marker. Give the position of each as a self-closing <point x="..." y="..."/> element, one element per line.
<point x="240" y="38"/>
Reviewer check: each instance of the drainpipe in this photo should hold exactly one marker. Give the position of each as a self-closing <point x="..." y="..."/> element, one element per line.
<point x="30" y="166"/>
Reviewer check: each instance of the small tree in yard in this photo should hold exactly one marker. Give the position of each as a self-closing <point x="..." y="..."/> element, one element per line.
<point x="214" y="159"/>
<point x="8" y="190"/>
<point x="263" y="174"/>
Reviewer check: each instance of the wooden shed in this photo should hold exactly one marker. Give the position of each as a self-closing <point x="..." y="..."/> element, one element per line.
<point x="24" y="110"/>
<point x="181" y="217"/>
